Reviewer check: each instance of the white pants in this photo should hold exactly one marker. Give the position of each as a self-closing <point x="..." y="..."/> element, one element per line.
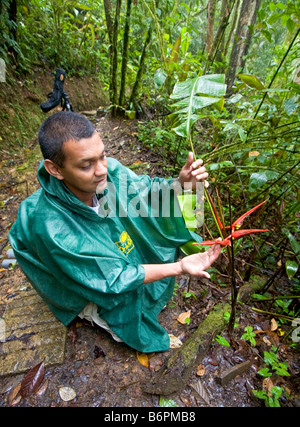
<point x="90" y="313"/>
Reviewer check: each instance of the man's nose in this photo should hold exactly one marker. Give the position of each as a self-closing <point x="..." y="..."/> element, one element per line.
<point x="100" y="168"/>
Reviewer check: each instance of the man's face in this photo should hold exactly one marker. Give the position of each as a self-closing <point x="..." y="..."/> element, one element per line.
<point x="85" y="167"/>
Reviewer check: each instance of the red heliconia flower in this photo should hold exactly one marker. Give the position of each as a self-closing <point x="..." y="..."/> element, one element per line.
<point x="235" y="234"/>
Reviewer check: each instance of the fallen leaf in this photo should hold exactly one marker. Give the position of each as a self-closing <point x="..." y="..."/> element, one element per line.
<point x="67" y="393"/>
<point x="200" y="389"/>
<point x="73" y="334"/>
<point x="254" y="153"/>
<point x="32" y="380"/>
<point x="183" y="316"/>
<point x="267" y="341"/>
<point x="41" y="390"/>
<point x="267" y="385"/>
<point x="174" y="341"/>
<point x="260" y="332"/>
<point x="143" y="359"/>
<point x="274" y="325"/>
<point x="200" y="371"/>
<point x="13" y="394"/>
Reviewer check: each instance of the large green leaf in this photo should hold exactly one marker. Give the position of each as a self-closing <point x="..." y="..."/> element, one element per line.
<point x="291" y="268"/>
<point x="192" y="95"/>
<point x="251" y="81"/>
<point x="258" y="179"/>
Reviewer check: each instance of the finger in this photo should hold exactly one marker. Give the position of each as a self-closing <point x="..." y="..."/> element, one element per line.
<point x="205" y="274"/>
<point x="214" y="252"/>
<point x="201" y="176"/>
<point x="198" y="171"/>
<point x="197" y="163"/>
<point x="190" y="159"/>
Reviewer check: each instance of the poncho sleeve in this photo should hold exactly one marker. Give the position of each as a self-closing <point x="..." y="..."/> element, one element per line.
<point x="67" y="263"/>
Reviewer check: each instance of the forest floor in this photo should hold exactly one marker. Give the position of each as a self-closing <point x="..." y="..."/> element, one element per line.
<point x="105" y="373"/>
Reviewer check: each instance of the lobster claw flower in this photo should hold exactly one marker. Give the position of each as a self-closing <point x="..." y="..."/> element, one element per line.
<point x="240" y="233"/>
<point x="224" y="242"/>
<point x="240" y="220"/>
<point x="235" y="234"/>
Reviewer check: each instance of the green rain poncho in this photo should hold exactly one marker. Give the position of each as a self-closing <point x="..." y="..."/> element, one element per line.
<point x="73" y="256"/>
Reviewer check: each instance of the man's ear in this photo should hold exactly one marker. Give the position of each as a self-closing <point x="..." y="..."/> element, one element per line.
<point x="53" y="169"/>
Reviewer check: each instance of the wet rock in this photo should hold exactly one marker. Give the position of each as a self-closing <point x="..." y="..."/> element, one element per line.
<point x="32" y="333"/>
<point x="7" y="263"/>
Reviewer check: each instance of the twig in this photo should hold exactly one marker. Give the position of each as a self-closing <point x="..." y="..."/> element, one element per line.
<point x="234" y="291"/>
<point x="273" y="314"/>
<point x="271" y="280"/>
<point x="277" y="298"/>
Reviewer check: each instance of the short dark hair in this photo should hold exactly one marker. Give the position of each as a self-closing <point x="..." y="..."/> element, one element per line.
<point x="60" y="128"/>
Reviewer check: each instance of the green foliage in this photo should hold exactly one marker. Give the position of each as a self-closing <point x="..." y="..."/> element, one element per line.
<point x="272" y="396"/>
<point x="249" y="335"/>
<point x="193" y="95"/>
<point x="271" y="399"/>
<point x="167" y="403"/>
<point x="223" y="341"/>
<point x="273" y="366"/>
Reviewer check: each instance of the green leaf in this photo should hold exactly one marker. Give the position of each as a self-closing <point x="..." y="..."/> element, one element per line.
<point x="284" y="19"/>
<point x="251" y="81"/>
<point x="82" y="7"/>
<point x="220" y="165"/>
<point x="211" y="84"/>
<point x="188" y="204"/>
<point x="258" y="179"/>
<point x="291" y="105"/>
<point x="188" y="248"/>
<point x="293" y="242"/>
<point x="290" y="25"/>
<point x="291" y="268"/>
<point x="276" y="391"/>
<point x="281" y="369"/>
<point x="267" y="34"/>
<point x="192" y="95"/>
<point x="167" y="403"/>
<point x="160" y="78"/>
<point x="260" y="394"/>
<point x="91" y="27"/>
<point x="272" y="6"/>
<point x="265" y="372"/>
<point x="222" y="341"/>
<point x="270" y="358"/>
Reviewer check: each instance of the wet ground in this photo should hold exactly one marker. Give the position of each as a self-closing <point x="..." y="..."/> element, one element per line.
<point x="102" y="372"/>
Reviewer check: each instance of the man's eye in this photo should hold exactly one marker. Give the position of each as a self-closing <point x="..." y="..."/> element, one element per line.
<point x="86" y="167"/>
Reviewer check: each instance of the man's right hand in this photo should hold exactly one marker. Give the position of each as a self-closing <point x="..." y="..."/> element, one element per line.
<point x="197" y="264"/>
<point x="192" y="264"/>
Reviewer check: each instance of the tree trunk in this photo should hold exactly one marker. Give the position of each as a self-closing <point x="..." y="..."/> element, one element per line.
<point x="109" y="21"/>
<point x="12" y="17"/>
<point x="216" y="50"/>
<point x="233" y="26"/>
<point x="114" y="61"/>
<point x="125" y="54"/>
<point x="141" y="69"/>
<point x="241" y="41"/>
<point x="211" y="13"/>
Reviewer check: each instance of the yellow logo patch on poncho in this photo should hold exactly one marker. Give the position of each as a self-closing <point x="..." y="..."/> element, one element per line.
<point x="125" y="244"/>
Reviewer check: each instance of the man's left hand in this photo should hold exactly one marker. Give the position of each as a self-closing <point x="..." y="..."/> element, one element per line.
<point x="192" y="173"/>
